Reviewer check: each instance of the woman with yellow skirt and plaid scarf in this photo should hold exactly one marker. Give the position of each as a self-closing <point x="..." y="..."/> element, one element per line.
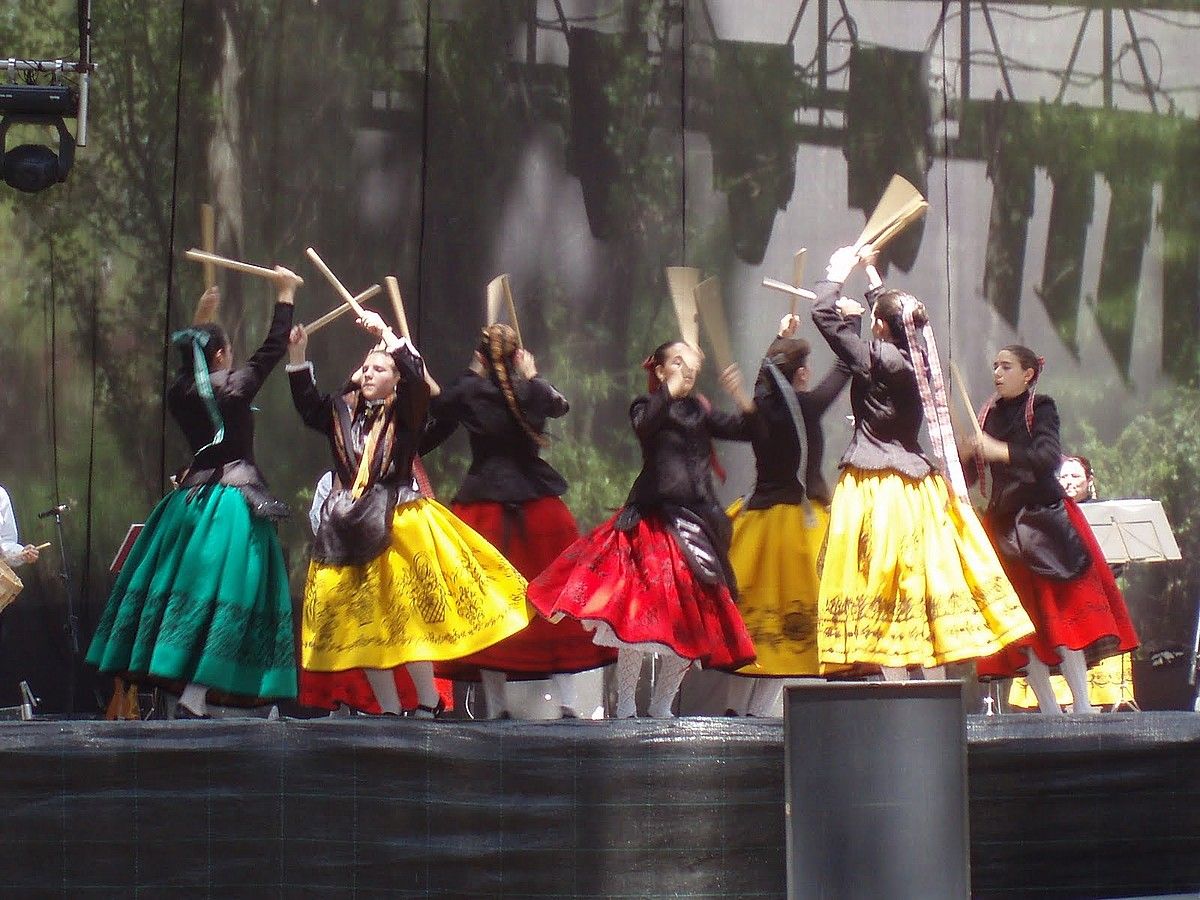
<point x="909" y="578"/>
<point x="396" y="579"/>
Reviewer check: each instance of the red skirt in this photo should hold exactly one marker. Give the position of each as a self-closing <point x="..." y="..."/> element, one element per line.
<point x="1087" y="613"/>
<point x="636" y="587"/>
<point x="530" y="539"/>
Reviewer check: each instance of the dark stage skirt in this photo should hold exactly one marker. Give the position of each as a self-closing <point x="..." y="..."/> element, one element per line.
<point x="1086" y="613"/>
<point x="635" y="589"/>
<point x="531" y="535"/>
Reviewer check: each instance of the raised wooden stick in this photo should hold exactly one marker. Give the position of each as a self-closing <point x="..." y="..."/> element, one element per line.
<point x="333" y="279"/>
<point x="960" y="386"/>
<point x="393" y="287"/>
<point x="798" y="274"/>
<point x="236" y="265"/>
<point x="334" y="314"/>
<point x="499" y="290"/>
<point x="712" y="315"/>
<point x="208" y="241"/>
<point x="682" y="282"/>
<point x="788" y="289"/>
<point x="44" y="546"/>
<point x="512" y="308"/>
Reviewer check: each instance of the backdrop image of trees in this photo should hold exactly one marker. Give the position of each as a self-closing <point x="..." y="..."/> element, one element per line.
<point x="582" y="146"/>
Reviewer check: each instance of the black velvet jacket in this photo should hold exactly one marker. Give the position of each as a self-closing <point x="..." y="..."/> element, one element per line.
<point x="883" y="394"/>
<point x="777" y="449"/>
<point x="231" y="461"/>
<point x="505" y="465"/>
<point x="1030" y="478"/>
<point x="675" y="483"/>
<point x="676" y="437"/>
<point x="334" y="415"/>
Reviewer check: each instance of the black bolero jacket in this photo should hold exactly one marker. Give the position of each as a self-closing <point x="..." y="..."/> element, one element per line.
<point x="883" y="394"/>
<point x="505" y="463"/>
<point x="1030" y="478"/>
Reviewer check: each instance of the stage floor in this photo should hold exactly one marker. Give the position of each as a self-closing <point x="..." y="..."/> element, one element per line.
<point x="1077" y="806"/>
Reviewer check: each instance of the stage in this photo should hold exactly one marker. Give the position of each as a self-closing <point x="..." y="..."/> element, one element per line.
<point x="1101" y="806"/>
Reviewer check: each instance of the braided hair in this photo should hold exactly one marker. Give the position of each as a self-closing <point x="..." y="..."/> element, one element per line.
<point x="497" y="345"/>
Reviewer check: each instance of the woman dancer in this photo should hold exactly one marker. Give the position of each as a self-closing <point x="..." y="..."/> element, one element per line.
<point x="511" y="496"/>
<point x="395" y="579"/>
<point x="656" y="576"/>
<point x="779" y="529"/>
<point x="1045" y="544"/>
<point x="909" y="577"/>
<point x="202" y="603"/>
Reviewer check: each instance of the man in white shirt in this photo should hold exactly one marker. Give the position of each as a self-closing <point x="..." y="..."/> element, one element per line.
<point x="14" y="552"/>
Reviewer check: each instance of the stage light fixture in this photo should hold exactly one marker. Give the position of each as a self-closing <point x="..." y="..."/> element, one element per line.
<point x="35" y="167"/>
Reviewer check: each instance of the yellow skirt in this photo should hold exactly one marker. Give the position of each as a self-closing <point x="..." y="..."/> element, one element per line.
<point x="910" y="578"/>
<point x="438" y="592"/>
<point x="1110" y="682"/>
<point x="774" y="555"/>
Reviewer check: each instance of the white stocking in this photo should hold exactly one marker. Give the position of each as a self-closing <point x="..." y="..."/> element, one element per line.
<point x="894" y="673"/>
<point x="739" y="694"/>
<point x="1038" y="676"/>
<point x="495" y="692"/>
<point x="629" y="669"/>
<point x="383" y="684"/>
<point x="764" y="698"/>
<point x="567" y="688"/>
<point x="1074" y="669"/>
<point x="194" y="697"/>
<point x="670" y="675"/>
<point x="422" y="675"/>
<point x="934" y="673"/>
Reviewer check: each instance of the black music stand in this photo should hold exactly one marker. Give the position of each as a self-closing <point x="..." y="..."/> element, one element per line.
<point x="1135" y="531"/>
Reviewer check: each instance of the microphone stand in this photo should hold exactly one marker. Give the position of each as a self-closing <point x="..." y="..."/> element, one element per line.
<point x="71" y="628"/>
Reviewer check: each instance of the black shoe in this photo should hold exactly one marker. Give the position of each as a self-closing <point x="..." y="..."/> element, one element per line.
<point x="567" y="713"/>
<point x="185" y="712"/>
<point x="429" y="712"/>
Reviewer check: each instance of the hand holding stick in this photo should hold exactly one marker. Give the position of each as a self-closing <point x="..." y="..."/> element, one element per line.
<point x="735" y="386"/>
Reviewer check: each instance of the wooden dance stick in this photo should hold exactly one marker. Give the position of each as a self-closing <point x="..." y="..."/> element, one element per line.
<point x="794" y="292"/>
<point x="961" y="387"/>
<point x="900" y="206"/>
<point x="334" y="314"/>
<point x="333" y="279"/>
<point x="712" y="315"/>
<point x="499" y="290"/>
<point x="41" y="547"/>
<point x="208" y="241"/>
<point x="682" y="282"/>
<point x="798" y="274"/>
<point x="236" y="265"/>
<point x="393" y="287"/>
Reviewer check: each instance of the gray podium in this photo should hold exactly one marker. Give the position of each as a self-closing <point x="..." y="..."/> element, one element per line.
<point x="876" y="791"/>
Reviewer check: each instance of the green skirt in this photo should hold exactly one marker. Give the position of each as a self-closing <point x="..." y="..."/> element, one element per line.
<point x="203" y="598"/>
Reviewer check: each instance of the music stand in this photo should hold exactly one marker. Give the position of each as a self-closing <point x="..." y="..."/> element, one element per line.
<point x="1130" y="531"/>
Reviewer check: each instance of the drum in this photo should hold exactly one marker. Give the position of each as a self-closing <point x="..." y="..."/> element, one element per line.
<point x="10" y="585"/>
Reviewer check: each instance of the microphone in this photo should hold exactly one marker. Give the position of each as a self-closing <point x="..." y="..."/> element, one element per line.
<point x="55" y="510"/>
